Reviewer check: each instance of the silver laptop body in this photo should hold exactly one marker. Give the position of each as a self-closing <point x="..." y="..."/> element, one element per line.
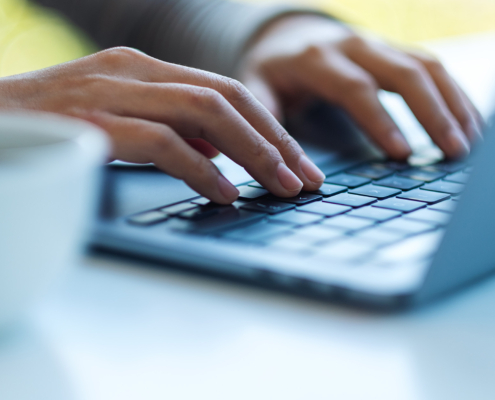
<point x="413" y="270"/>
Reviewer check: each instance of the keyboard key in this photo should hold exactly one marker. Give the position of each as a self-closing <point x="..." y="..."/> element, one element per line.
<point x="347" y="223"/>
<point x="372" y="171"/>
<point x="423" y="195"/>
<point x="350" y="200"/>
<point x="268" y="206"/>
<point x="178" y="208"/>
<point x="148" y="218"/>
<point x="328" y="189"/>
<point x="322" y="208"/>
<point x="320" y="232"/>
<point x="445" y="206"/>
<point x="375" y="214"/>
<point x="444" y="187"/>
<point x="200" y="212"/>
<point x="395" y="165"/>
<point x="399" y="182"/>
<point x="228" y="218"/>
<point x="202" y="201"/>
<point x="380" y="236"/>
<point x="351" y="181"/>
<point x="409" y="227"/>
<point x="458" y="177"/>
<point x="375" y="191"/>
<point x="251" y="193"/>
<point x="256" y="185"/>
<point x="450" y="166"/>
<point x="297" y="218"/>
<point x="429" y="215"/>
<point x="425" y="174"/>
<point x="298" y="200"/>
<point x="258" y="232"/>
<point x="400" y="205"/>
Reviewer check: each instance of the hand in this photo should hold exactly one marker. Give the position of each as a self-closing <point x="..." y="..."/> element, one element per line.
<point x="150" y="107"/>
<point x="312" y="56"/>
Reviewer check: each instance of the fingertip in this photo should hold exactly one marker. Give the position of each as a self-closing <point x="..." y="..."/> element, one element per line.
<point x="228" y="191"/>
<point x="400" y="149"/>
<point x="290" y="182"/>
<point x="314" y="176"/>
<point x="310" y="170"/>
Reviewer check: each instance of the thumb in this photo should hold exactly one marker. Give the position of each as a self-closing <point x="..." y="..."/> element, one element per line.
<point x="266" y="95"/>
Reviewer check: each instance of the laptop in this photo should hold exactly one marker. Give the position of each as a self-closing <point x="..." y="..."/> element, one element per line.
<point x="378" y="233"/>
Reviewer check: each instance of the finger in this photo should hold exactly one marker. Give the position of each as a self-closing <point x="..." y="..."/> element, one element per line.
<point x="203" y="147"/>
<point x="140" y="141"/>
<point x="135" y="65"/>
<point x="480" y="121"/>
<point x="457" y="101"/>
<point x="477" y="114"/>
<point x="262" y="121"/>
<point x="398" y="73"/>
<point x="262" y="90"/>
<point x="201" y="113"/>
<point x="342" y="82"/>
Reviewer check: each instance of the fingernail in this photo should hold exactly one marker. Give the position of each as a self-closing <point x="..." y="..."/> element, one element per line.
<point x="400" y="145"/>
<point x="312" y="172"/>
<point x="458" y="144"/>
<point x="288" y="179"/>
<point x="228" y="191"/>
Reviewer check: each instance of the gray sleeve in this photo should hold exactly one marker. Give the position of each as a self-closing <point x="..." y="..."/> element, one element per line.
<point x="206" y="34"/>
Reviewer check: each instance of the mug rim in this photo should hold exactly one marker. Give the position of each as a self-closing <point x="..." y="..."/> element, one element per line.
<point x="91" y="140"/>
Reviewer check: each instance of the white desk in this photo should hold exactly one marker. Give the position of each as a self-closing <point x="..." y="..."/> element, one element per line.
<point x="112" y="330"/>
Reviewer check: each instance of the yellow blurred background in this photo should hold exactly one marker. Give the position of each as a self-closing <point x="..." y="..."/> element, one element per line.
<point x="33" y="38"/>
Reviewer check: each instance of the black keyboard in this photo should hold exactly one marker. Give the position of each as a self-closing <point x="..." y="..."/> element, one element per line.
<point x="385" y="208"/>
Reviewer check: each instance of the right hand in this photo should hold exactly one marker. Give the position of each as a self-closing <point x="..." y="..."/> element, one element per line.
<point x="151" y="108"/>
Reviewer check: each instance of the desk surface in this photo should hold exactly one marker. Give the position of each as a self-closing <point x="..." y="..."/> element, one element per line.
<point x="114" y="330"/>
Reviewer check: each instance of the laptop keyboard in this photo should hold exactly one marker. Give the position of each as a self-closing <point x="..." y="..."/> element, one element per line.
<point x="377" y="208"/>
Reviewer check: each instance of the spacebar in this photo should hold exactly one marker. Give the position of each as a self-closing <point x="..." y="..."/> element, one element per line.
<point x="226" y="220"/>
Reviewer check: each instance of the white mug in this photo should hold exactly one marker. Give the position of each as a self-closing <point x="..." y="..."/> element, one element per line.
<point x="49" y="176"/>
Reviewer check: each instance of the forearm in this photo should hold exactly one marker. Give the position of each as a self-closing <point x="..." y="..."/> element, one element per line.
<point x="206" y="34"/>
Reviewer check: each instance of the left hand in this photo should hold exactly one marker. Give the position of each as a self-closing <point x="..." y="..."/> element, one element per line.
<point x="305" y="56"/>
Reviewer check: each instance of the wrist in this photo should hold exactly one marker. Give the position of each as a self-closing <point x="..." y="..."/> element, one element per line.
<point x="9" y="93"/>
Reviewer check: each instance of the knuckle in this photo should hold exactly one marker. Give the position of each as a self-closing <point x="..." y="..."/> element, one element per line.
<point x="118" y="55"/>
<point x="235" y="90"/>
<point x="201" y="167"/>
<point x="207" y="99"/>
<point x="433" y="65"/>
<point x="354" y="41"/>
<point x="312" y="51"/>
<point x="287" y="144"/>
<point x="159" y="141"/>
<point x="411" y="70"/>
<point x="358" y="84"/>
<point x="264" y="150"/>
